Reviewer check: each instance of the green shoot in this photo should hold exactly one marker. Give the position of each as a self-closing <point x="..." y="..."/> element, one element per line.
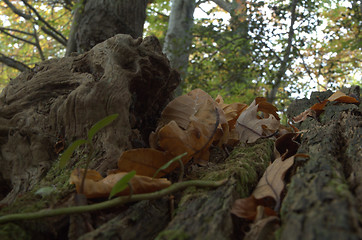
<point x="69" y="152"/>
<point x="121" y="184"/>
<point x="101" y="124"/>
<point x="94" y="129"/>
<point x="178" y="158"/>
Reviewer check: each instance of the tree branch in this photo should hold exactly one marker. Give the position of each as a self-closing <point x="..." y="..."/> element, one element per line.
<point x="271" y="50"/>
<point x="17" y="11"/>
<point x="226" y="5"/>
<point x="307" y="68"/>
<point x="50" y="33"/>
<point x="16" y="37"/>
<point x="16" y="30"/>
<point x="13" y="63"/>
<point x="38" y="44"/>
<point x="46" y="23"/>
<point x="111" y="203"/>
<point x="283" y="66"/>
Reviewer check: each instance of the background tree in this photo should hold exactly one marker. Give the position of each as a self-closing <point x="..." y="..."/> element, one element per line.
<point x="31" y="31"/>
<point x="179" y="36"/>
<point x="95" y="21"/>
<point x="271" y="48"/>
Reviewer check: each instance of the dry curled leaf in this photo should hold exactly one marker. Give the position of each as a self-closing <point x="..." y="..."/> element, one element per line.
<point x="266" y="107"/>
<point x="318" y="108"/>
<point x="196" y="139"/>
<point x="286" y="145"/>
<point x="271" y="183"/>
<point x="183" y="107"/>
<point x="248" y="208"/>
<point x="196" y="106"/>
<point x="95" y="186"/>
<point x="251" y="127"/>
<point x="341" y="97"/>
<point x="232" y="111"/>
<point x="190" y="123"/>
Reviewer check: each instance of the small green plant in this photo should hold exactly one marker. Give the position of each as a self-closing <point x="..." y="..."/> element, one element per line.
<point x="178" y="158"/>
<point x="70" y="150"/>
<point x="122" y="184"/>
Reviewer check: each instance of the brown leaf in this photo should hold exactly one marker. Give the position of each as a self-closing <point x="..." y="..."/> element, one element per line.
<point x="95" y="187"/>
<point x="183" y="107"/>
<point x="318" y="108"/>
<point x="266" y="107"/>
<point x="271" y="183"/>
<point x="303" y="116"/>
<point x="341" y="97"/>
<point x="196" y="139"/>
<point x="196" y="106"/>
<point x="250" y="127"/>
<point x="245" y="208"/>
<point x="248" y="208"/>
<point x="145" y="161"/>
<point x="232" y="111"/>
<point x="286" y="145"/>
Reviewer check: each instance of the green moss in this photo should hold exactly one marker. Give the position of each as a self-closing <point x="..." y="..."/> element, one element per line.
<point x="246" y="164"/>
<point x="56" y="178"/>
<point x="278" y="233"/>
<point x="340" y="187"/>
<point x="175" y="234"/>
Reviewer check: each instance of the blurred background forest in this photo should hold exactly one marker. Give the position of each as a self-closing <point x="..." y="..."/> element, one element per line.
<point x="237" y="48"/>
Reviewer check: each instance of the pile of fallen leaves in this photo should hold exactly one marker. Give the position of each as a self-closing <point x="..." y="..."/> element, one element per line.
<point x="189" y="125"/>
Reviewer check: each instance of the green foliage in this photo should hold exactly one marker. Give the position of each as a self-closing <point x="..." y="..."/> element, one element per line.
<point x="101" y="124"/>
<point x="175" y="159"/>
<point x="121" y="184"/>
<point x="69" y="152"/>
<point x="239" y="59"/>
<point x="337" y="57"/>
<point x="16" y="32"/>
<point x="157" y="19"/>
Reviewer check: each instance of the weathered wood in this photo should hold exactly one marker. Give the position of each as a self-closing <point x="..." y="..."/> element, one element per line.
<point x="324" y="197"/>
<point x="143" y="220"/>
<point x="60" y="99"/>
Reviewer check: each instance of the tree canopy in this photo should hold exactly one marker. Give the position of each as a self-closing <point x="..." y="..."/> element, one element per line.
<point x="278" y="49"/>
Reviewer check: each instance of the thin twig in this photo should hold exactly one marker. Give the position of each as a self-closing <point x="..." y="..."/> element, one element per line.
<point x="111" y="203"/>
<point x="16" y="30"/>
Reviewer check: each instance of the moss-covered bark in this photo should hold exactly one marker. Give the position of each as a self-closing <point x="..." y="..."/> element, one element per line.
<point x="205" y="214"/>
<point x="324" y="197"/>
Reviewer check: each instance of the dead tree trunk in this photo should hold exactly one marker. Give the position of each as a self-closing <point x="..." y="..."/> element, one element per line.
<point x="325" y="195"/>
<point x="60" y="99"/>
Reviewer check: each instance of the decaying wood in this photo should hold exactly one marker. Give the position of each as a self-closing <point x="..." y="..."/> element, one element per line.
<point x="324" y="197"/>
<point x="60" y="99"/>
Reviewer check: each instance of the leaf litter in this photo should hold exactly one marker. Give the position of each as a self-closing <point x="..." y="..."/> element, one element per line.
<point x="190" y="125"/>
